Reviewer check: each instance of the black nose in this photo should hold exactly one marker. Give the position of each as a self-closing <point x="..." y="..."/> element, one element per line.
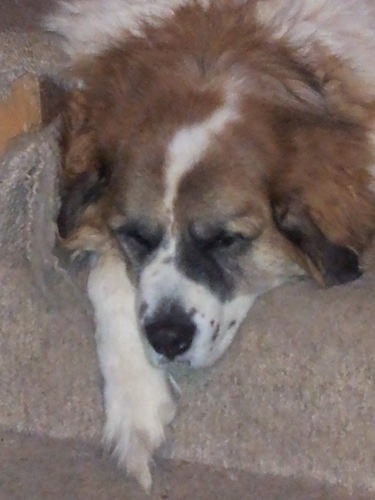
<point x="170" y="336"/>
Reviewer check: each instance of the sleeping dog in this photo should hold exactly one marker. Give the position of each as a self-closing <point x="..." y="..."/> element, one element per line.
<point x="212" y="150"/>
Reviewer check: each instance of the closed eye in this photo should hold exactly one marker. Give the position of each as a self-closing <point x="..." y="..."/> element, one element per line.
<point x="222" y="240"/>
<point x="139" y="237"/>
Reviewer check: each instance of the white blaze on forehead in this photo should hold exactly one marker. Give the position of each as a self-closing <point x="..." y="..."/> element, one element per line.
<point x="189" y="145"/>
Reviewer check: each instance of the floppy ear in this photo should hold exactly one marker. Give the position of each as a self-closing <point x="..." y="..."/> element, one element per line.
<point x="86" y="190"/>
<point x="84" y="174"/>
<point x="321" y="197"/>
<point x="327" y="262"/>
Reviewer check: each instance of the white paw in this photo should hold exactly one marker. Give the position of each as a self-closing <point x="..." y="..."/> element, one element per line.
<point x="137" y="412"/>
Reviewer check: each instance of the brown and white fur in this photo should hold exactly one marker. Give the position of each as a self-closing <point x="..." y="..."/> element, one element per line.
<point x="212" y="151"/>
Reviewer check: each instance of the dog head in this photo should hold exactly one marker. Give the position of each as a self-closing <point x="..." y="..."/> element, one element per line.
<point x="218" y="178"/>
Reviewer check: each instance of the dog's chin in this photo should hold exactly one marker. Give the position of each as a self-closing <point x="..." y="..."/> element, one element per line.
<point x="188" y="360"/>
<point x="160" y="361"/>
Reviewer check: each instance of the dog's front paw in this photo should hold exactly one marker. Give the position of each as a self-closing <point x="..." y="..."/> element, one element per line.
<point x="137" y="412"/>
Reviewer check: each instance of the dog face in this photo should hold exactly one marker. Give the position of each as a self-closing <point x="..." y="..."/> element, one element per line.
<point x="204" y="247"/>
<point x="218" y="178"/>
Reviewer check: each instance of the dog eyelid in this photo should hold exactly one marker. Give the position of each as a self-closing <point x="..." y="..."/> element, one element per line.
<point x="139" y="235"/>
<point x="227" y="239"/>
<point x="221" y="239"/>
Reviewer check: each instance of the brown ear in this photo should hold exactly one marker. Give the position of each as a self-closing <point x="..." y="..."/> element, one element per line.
<point x="327" y="262"/>
<point x="86" y="190"/>
<point x="84" y="174"/>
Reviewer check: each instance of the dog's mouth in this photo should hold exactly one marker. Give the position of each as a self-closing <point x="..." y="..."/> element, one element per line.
<point x="158" y="359"/>
<point x="190" y="343"/>
<point x="173" y="334"/>
<point x="194" y="336"/>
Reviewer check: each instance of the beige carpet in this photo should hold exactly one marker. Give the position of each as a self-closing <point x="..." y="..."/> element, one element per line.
<point x="35" y="468"/>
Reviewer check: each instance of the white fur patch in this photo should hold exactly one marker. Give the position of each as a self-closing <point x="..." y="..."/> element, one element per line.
<point x="137" y="396"/>
<point x="189" y="145"/>
<point x="345" y="28"/>
<point x="205" y="352"/>
<point x="90" y="26"/>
